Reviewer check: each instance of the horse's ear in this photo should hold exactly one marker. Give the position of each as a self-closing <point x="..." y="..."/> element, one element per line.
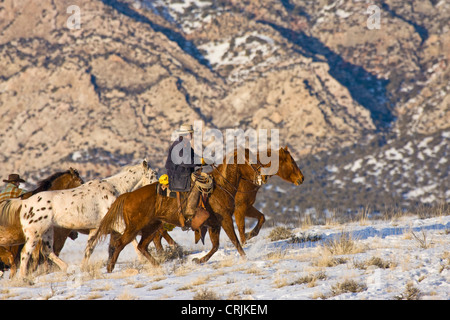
<point x="72" y="171"/>
<point x="145" y="163"/>
<point x="286" y="148"/>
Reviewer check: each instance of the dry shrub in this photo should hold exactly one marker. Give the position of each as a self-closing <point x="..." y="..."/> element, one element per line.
<point x="280" y="233"/>
<point x="411" y="293"/>
<point x="327" y="260"/>
<point x="421" y="239"/>
<point x="374" y="261"/>
<point x="344" y="244"/>
<point x="206" y="294"/>
<point x="347" y="286"/>
<point x="310" y="279"/>
<point x="445" y="264"/>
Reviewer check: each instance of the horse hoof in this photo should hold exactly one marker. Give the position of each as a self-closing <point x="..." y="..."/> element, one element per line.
<point x="250" y="235"/>
<point x="196" y="260"/>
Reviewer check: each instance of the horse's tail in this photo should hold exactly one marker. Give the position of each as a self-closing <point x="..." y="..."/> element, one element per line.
<point x="110" y="220"/>
<point x="10" y="212"/>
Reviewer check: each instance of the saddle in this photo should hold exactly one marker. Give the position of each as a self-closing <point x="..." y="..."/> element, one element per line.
<point x="204" y="183"/>
<point x="163" y="190"/>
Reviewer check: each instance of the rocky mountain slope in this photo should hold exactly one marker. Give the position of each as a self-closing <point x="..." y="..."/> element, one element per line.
<point x="113" y="90"/>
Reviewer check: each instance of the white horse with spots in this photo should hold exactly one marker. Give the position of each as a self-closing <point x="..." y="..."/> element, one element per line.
<point x="79" y="208"/>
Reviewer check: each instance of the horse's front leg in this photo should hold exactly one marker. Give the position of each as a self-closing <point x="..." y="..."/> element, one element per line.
<point x="252" y="212"/>
<point x="239" y="215"/>
<point x="214" y="234"/>
<point x="227" y="225"/>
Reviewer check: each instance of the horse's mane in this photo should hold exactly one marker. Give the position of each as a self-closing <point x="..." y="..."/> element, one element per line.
<point x="47" y="183"/>
<point x="248" y="154"/>
<point x="222" y="167"/>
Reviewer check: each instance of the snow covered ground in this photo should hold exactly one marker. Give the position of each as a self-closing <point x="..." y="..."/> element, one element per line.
<point x="406" y="258"/>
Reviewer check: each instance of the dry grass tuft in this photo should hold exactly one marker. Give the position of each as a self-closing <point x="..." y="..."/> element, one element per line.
<point x="421" y="239"/>
<point x="374" y="261"/>
<point x="327" y="260"/>
<point x="347" y="286"/>
<point x="411" y="293"/>
<point x="344" y="244"/>
<point x="310" y="279"/>
<point x="205" y="294"/>
<point x="125" y="295"/>
<point x="280" y="233"/>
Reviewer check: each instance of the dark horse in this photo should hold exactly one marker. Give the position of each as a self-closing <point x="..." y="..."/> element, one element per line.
<point x="144" y="211"/>
<point x="12" y="237"/>
<point x="246" y="196"/>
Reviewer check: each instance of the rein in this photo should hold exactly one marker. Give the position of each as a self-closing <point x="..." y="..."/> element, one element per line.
<point x="240" y="177"/>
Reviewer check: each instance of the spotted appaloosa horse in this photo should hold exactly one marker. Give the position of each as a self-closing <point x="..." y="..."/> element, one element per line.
<point x="12" y="237"/>
<point x="79" y="208"/>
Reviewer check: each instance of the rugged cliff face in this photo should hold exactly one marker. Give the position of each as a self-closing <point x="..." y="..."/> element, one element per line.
<point x="113" y="90"/>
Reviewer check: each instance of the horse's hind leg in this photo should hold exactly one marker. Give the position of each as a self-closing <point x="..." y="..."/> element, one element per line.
<point x="120" y="243"/>
<point x="169" y="239"/>
<point x="156" y="238"/>
<point x="25" y="255"/>
<point x="60" y="237"/>
<point x="162" y="233"/>
<point x="113" y="237"/>
<point x="8" y="257"/>
<point x="47" y="250"/>
<point x="147" y="236"/>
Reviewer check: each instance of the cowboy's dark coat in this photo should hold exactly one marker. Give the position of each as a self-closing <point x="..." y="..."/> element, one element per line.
<point x="180" y="174"/>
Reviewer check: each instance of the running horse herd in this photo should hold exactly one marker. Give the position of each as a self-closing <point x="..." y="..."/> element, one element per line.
<point x="35" y="227"/>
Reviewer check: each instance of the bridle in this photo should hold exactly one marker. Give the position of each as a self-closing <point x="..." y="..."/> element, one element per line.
<point x="257" y="181"/>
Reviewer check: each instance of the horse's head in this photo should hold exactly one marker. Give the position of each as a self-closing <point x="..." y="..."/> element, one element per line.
<point x="148" y="175"/>
<point x="73" y="179"/>
<point x="288" y="169"/>
<point x="61" y="180"/>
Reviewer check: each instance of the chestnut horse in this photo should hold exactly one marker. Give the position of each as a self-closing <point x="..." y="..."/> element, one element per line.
<point x="144" y="211"/>
<point x="287" y="170"/>
<point x="244" y="199"/>
<point x="12" y="237"/>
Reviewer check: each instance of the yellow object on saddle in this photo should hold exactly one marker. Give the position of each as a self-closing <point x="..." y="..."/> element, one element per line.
<point x="164" y="179"/>
<point x="168" y="226"/>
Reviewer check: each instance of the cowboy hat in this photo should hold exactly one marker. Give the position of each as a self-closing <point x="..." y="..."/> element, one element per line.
<point x="185" y="129"/>
<point x="14" y="178"/>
